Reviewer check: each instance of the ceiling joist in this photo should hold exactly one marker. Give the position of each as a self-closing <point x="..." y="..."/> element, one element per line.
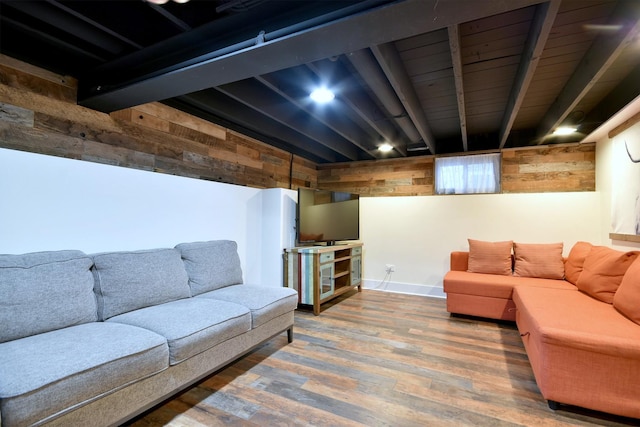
<point x="543" y="20"/>
<point x="276" y="84"/>
<point x="456" y="59"/>
<point x="338" y="36"/>
<point x="257" y="96"/>
<point x="390" y="62"/>
<point x="370" y="71"/>
<point x="426" y="76"/>
<point x="217" y="107"/>
<point x="361" y="104"/>
<point x="603" y="52"/>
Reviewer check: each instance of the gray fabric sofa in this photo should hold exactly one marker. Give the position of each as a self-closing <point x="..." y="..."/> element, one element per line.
<point x="98" y="339"/>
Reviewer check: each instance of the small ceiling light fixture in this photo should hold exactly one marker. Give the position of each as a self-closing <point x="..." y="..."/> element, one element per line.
<point x="603" y="28"/>
<point x="385" y="148"/>
<point x="166" y="1"/>
<point x="322" y="95"/>
<point x="564" y="130"/>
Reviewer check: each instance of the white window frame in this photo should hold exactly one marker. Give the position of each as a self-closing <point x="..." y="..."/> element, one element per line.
<point x="472" y="174"/>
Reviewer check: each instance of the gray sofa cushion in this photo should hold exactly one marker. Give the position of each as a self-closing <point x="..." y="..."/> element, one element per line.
<point x="264" y="302"/>
<point x="126" y="281"/>
<point x="211" y="265"/>
<point x="192" y="325"/>
<point x="44" y="291"/>
<point x="44" y="374"/>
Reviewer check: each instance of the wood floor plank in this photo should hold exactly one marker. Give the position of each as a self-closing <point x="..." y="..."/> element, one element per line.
<point x="377" y="359"/>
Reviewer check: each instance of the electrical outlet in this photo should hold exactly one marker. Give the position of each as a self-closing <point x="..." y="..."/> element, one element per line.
<point x="389" y="268"/>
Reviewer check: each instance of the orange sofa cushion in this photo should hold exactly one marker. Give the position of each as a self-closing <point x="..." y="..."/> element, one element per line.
<point x="490" y="257"/>
<point x="582" y="351"/>
<point x="627" y="297"/>
<point x="481" y="306"/>
<point x="575" y="261"/>
<point x="574" y="320"/>
<point x="493" y="285"/>
<point x="603" y="271"/>
<point x="543" y="260"/>
<point x="459" y="261"/>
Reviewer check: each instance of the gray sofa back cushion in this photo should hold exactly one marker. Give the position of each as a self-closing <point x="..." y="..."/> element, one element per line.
<point x="127" y="281"/>
<point x="211" y="265"/>
<point x="43" y="291"/>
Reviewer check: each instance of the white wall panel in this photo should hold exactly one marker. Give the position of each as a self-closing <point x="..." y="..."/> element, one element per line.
<point x="51" y="203"/>
<point x="417" y="234"/>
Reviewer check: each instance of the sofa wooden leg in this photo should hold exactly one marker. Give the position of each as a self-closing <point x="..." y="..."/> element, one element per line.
<point x="290" y="334"/>
<point x="553" y="405"/>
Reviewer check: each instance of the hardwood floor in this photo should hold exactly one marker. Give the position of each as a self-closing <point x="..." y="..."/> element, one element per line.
<point x="378" y="359"/>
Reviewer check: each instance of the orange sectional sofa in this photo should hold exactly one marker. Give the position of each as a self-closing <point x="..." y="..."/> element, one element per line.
<point x="487" y="295"/>
<point x="581" y="332"/>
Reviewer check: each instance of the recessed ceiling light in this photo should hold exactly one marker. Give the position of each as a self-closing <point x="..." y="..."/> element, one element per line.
<point x="604" y="28"/>
<point x="322" y="95"/>
<point x="564" y="130"/>
<point x="166" y="1"/>
<point x="385" y="148"/>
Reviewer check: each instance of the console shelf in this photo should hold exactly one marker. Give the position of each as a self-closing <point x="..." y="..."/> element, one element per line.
<point x="321" y="273"/>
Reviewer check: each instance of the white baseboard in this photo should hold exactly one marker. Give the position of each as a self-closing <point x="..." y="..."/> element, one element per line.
<point x="404" y="288"/>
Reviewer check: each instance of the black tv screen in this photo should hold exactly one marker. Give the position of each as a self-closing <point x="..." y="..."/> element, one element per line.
<point x="327" y="216"/>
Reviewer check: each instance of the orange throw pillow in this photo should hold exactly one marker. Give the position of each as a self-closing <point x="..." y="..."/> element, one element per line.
<point x="575" y="261"/>
<point x="627" y="297"/>
<point x="543" y="260"/>
<point x="603" y="272"/>
<point x="490" y="257"/>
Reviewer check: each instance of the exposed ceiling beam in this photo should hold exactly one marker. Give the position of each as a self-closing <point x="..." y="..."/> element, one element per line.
<point x="257" y="96"/>
<point x="179" y="23"/>
<point x="81" y="28"/>
<point x="390" y="62"/>
<point x="603" y="52"/>
<point x="277" y="83"/>
<point x="369" y="69"/>
<point x="282" y="50"/>
<point x="363" y="110"/>
<point x="55" y="41"/>
<point x="219" y="108"/>
<point x="543" y="20"/>
<point x="360" y="103"/>
<point x="617" y="100"/>
<point x="456" y="59"/>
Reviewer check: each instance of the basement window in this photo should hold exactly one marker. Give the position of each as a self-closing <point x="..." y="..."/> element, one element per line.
<point x="468" y="174"/>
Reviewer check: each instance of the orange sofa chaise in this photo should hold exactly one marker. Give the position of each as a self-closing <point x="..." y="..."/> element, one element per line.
<point x="581" y="333"/>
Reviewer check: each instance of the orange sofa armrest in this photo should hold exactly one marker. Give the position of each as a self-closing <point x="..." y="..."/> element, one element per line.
<point x="459" y="261"/>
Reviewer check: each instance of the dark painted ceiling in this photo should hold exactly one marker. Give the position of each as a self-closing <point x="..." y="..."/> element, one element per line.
<point x="427" y="76"/>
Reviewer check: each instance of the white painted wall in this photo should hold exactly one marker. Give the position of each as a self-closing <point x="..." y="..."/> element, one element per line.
<point x="278" y="232"/>
<point x="605" y="166"/>
<point x="417" y="234"/>
<point x="51" y="203"/>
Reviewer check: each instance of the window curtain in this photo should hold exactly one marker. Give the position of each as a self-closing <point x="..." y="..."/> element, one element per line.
<point x="468" y="174"/>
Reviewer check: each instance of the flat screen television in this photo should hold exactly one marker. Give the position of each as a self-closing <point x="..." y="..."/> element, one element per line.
<point x="327" y="216"/>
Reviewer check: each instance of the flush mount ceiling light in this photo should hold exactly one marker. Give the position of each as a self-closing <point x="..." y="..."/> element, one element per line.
<point x="385" y="148"/>
<point x="570" y="124"/>
<point x="166" y="1"/>
<point x="322" y="95"/>
<point x="564" y="130"/>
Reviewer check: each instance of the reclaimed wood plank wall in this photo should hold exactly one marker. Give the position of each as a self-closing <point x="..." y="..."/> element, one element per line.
<point x="38" y="113"/>
<point x="552" y="168"/>
<point x="556" y="168"/>
<point x="388" y="177"/>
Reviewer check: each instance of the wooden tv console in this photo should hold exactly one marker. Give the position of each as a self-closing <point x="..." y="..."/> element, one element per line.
<point x="321" y="273"/>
